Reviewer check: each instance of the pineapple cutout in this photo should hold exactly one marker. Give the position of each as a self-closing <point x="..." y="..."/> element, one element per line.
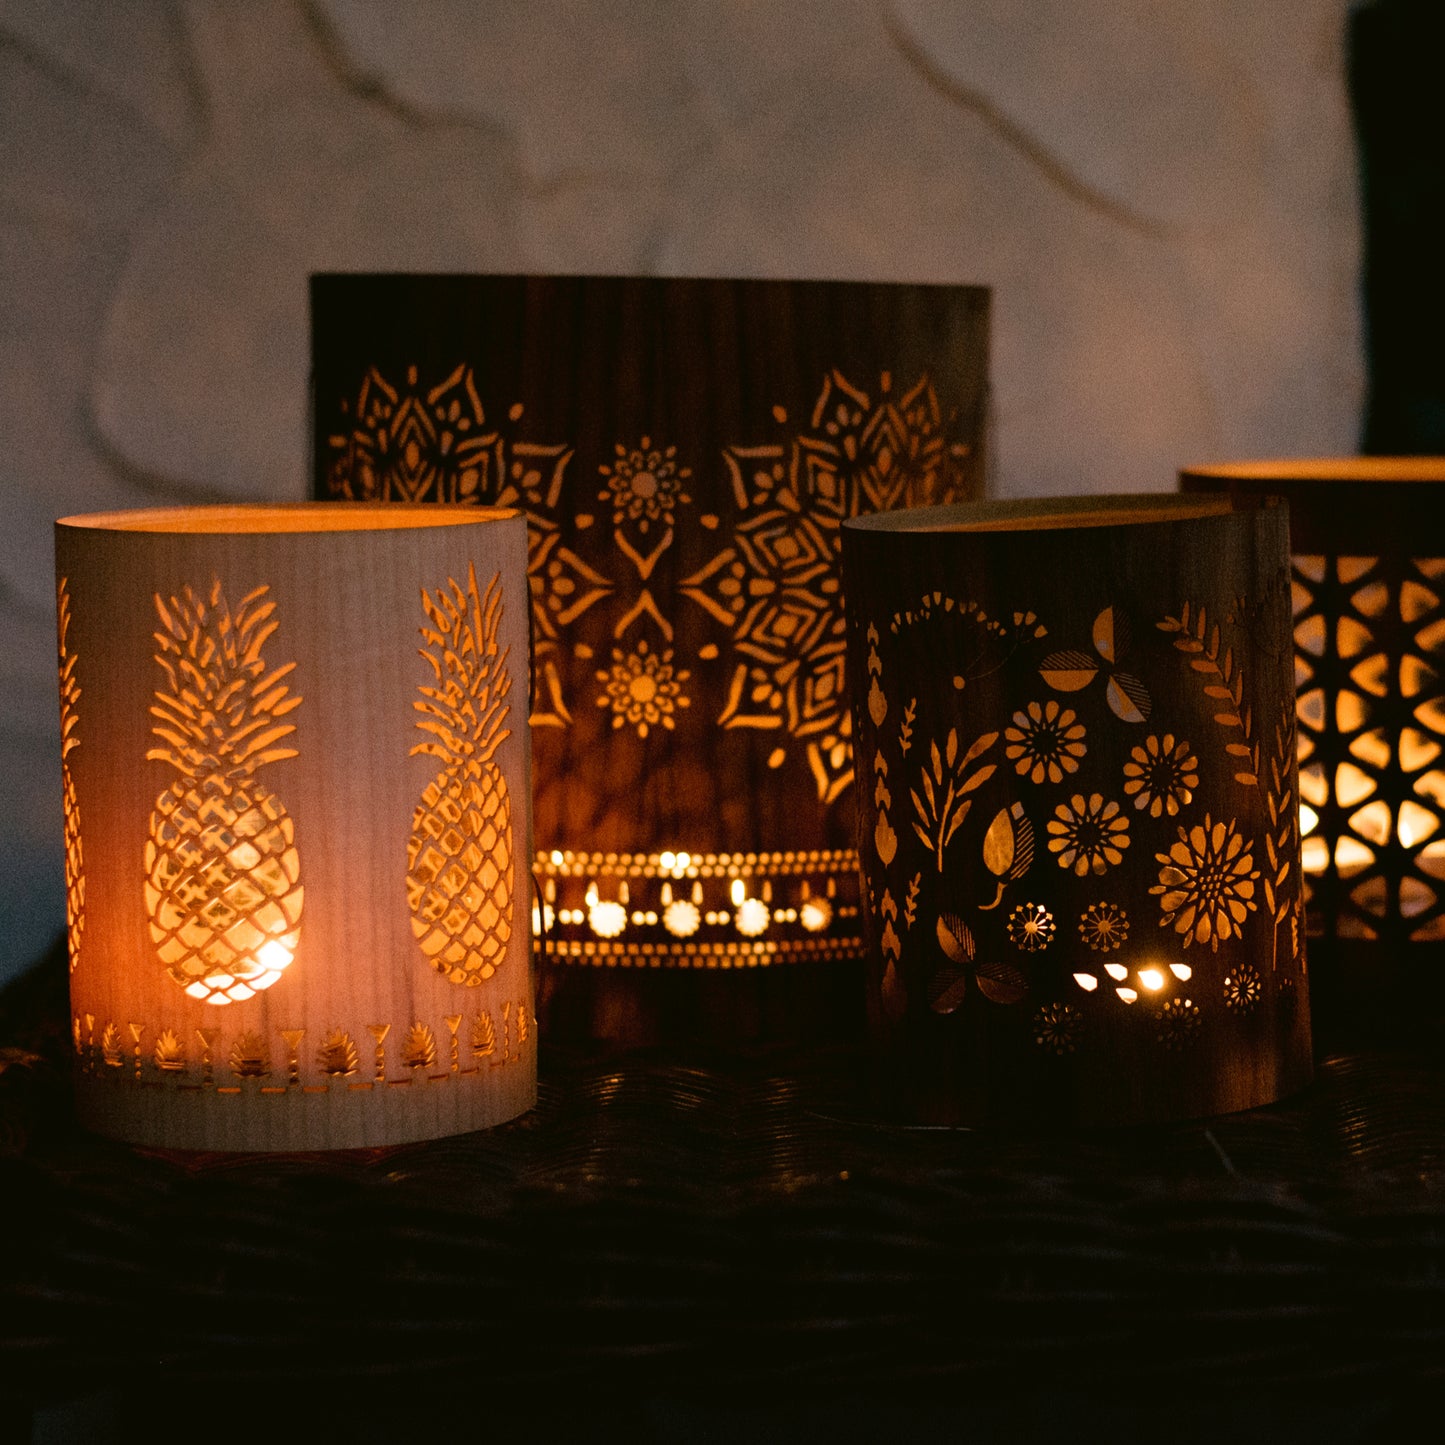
<point x="223" y="890"/>
<point x="460" y="857"/>
<point x="69" y="721"/>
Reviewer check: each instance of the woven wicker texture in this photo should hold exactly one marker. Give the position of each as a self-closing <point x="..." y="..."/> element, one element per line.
<point x="660" y="1229"/>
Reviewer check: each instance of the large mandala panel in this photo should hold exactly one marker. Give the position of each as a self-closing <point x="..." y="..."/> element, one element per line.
<point x="685" y="453"/>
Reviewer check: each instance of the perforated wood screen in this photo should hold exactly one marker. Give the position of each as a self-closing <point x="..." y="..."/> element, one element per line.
<point x="1368" y="581"/>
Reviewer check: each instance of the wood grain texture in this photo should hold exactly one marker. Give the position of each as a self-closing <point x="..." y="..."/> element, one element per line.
<point x="1076" y="784"/>
<point x="358" y="1039"/>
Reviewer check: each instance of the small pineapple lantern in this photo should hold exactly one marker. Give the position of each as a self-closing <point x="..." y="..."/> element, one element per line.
<point x="296" y="793"/>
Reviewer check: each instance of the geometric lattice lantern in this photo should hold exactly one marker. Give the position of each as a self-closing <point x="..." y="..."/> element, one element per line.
<point x="1077" y="798"/>
<point x="295" y="769"/>
<point x="685" y="451"/>
<point x="1369" y="634"/>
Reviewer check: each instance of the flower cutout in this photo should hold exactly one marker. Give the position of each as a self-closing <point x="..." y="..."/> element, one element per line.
<point x="1176" y="1023"/>
<point x="1104" y="926"/>
<point x="643" y="689"/>
<point x="1072" y="671"/>
<point x="681" y="918"/>
<point x="1045" y="742"/>
<point x="1161" y="775"/>
<point x="1089" y="836"/>
<point x="1056" y="1027"/>
<point x="1031" y="927"/>
<point x="644" y="485"/>
<point x="1206" y="883"/>
<point x="1243" y="988"/>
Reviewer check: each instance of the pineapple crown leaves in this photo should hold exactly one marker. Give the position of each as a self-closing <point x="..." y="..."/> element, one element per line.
<point x="69" y="685"/>
<point x="222" y="702"/>
<point x="466" y="708"/>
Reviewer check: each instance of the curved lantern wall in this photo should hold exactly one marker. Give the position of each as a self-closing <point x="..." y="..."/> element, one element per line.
<point x="1077" y="793"/>
<point x="1368" y="578"/>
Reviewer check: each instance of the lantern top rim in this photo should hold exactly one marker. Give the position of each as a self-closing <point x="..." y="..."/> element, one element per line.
<point x="1034" y="514"/>
<point x="1314" y="471"/>
<point x="281" y="518"/>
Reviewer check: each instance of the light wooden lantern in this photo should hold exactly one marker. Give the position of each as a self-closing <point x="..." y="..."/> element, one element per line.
<point x="1369" y="634"/>
<point x="1076" y="753"/>
<point x="297" y="820"/>
<point x="685" y="451"/>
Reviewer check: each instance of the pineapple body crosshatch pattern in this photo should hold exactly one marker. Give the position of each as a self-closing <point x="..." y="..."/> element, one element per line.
<point x="300" y="924"/>
<point x="686" y="452"/>
<point x="1079" y="813"/>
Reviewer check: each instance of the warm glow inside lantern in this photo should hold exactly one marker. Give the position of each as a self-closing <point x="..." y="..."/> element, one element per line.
<point x="1077" y="793"/>
<point x="297" y="817"/>
<point x="1369" y="638"/>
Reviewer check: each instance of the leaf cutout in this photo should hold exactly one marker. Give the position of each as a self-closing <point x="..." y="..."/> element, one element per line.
<point x="1068" y="671"/>
<point x="1128" y="698"/>
<point x="1001" y="983"/>
<point x="998" y="843"/>
<point x="877" y="704"/>
<point x="946" y="989"/>
<point x="1104" y="635"/>
<point x="885" y="840"/>
<point x="953" y="827"/>
<point x="976" y="779"/>
<point x="954" y="938"/>
<point x="981" y="745"/>
<point x="895" y="1001"/>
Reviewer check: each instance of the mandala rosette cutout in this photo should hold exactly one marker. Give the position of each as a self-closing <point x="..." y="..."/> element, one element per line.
<point x="1088" y="835"/>
<point x="1104" y="927"/>
<point x="1161" y="775"/>
<point x="1044" y="742"/>
<point x="643" y="689"/>
<point x="1031" y="927"/>
<point x="1057" y="1027"/>
<point x="775" y="587"/>
<point x="1177" y="1023"/>
<point x="644" y="485"/>
<point x="1243" y="988"/>
<point x="1207" y="883"/>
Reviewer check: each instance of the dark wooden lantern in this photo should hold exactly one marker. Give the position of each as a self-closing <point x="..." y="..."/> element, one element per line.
<point x="1369" y="630"/>
<point x="1076" y="757"/>
<point x="685" y="451"/>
